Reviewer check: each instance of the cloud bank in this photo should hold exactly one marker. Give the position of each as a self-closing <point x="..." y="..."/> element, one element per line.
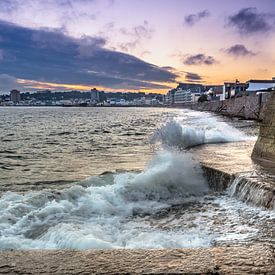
<point x="49" y="55"/>
<point x="239" y="50"/>
<point x="192" y="19"/>
<point x="249" y="21"/>
<point x="199" y="59"/>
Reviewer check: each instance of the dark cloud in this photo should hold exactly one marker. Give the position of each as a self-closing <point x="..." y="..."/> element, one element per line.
<point x="193" y="77"/>
<point x="199" y="59"/>
<point x="239" y="50"/>
<point x="192" y="19"/>
<point x="250" y="21"/>
<point x="51" y="56"/>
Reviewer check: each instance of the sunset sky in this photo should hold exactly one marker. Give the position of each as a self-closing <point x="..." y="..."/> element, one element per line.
<point x="134" y="45"/>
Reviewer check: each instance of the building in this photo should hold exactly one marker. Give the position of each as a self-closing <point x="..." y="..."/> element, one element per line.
<point x="169" y="98"/>
<point x="15" y="96"/>
<point x="214" y="92"/>
<point x="187" y="93"/>
<point x="234" y="89"/>
<point x="260" y="85"/>
<point x="95" y="95"/>
<point x="183" y="94"/>
<point x="192" y="87"/>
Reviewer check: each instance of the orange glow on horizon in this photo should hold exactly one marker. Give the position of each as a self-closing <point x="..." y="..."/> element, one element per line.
<point x="32" y="84"/>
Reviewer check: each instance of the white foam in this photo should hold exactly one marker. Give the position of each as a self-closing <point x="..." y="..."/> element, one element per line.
<point x="191" y="130"/>
<point x="106" y="216"/>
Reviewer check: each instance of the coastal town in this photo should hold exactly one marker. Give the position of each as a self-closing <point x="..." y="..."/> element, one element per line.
<point x="183" y="94"/>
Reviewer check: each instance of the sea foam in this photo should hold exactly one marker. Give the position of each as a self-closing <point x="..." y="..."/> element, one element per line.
<point x="189" y="130"/>
<point x="110" y="215"/>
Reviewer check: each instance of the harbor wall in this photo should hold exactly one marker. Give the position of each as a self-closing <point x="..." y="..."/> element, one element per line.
<point x="265" y="146"/>
<point x="247" y="107"/>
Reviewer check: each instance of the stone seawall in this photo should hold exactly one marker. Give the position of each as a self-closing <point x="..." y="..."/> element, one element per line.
<point x="265" y="145"/>
<point x="247" y="107"/>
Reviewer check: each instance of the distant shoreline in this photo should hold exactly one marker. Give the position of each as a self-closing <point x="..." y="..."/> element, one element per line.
<point x="112" y="106"/>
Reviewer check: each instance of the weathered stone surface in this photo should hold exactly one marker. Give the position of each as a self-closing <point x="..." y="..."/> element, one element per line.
<point x="248" y="107"/>
<point x="265" y="145"/>
<point x="255" y="259"/>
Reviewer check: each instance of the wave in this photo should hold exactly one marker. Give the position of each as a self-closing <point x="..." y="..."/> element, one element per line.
<point x="109" y="213"/>
<point x="194" y="131"/>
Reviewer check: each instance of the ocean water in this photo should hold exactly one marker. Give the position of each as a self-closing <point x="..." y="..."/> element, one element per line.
<point x="51" y="147"/>
<point x="87" y="178"/>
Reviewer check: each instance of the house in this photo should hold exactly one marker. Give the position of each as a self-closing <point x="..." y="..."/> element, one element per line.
<point x="260" y="85"/>
<point x="234" y="89"/>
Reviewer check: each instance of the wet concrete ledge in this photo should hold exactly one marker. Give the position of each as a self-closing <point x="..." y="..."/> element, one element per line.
<point x="231" y="164"/>
<point x="253" y="259"/>
<point x="247" y="188"/>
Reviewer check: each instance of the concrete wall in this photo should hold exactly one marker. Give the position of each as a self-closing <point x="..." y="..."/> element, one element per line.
<point x="265" y="145"/>
<point x="248" y="107"/>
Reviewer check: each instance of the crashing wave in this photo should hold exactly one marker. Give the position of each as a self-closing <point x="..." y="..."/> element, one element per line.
<point x="106" y="215"/>
<point x="186" y="134"/>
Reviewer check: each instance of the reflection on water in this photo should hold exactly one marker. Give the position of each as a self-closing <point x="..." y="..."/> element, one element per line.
<point x="47" y="147"/>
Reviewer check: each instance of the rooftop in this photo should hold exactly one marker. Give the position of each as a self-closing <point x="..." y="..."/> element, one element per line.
<point x="261" y="81"/>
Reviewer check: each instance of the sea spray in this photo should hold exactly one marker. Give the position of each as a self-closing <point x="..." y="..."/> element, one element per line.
<point x="109" y="215"/>
<point x="186" y="132"/>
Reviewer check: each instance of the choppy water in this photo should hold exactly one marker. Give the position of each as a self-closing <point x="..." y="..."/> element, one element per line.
<point x="54" y="146"/>
<point x="56" y="156"/>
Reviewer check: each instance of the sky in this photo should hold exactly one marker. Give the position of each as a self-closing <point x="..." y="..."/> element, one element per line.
<point x="134" y="45"/>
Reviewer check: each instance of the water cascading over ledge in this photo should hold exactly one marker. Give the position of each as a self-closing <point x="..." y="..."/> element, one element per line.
<point x="247" y="187"/>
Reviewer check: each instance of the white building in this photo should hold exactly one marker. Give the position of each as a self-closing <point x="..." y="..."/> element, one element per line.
<point x="258" y="85"/>
<point x="185" y="96"/>
<point x="168" y="99"/>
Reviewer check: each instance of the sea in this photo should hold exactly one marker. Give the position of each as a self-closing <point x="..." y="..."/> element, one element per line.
<point x="112" y="178"/>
